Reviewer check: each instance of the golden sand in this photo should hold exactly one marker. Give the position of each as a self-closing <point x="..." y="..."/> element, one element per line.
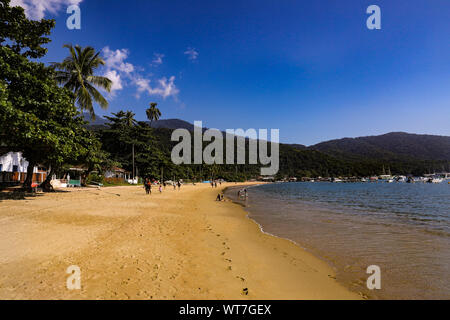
<point x="174" y="245"/>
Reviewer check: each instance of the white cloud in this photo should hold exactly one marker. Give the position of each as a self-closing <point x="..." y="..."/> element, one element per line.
<point x="123" y="73"/>
<point x="165" y="88"/>
<point x="115" y="59"/>
<point x="116" y="81"/>
<point x="36" y="9"/>
<point x="192" y="53"/>
<point x="142" y="84"/>
<point x="157" y="59"/>
<point x="116" y="67"/>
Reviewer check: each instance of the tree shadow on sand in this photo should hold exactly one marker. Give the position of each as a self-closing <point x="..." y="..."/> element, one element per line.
<point x="23" y="195"/>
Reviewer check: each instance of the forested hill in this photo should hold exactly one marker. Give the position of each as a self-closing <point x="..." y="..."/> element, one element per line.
<point x="390" y="146"/>
<point x="163" y="123"/>
<point x="399" y="153"/>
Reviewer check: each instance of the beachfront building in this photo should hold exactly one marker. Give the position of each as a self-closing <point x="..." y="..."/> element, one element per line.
<point x="117" y="173"/>
<point x="13" y="168"/>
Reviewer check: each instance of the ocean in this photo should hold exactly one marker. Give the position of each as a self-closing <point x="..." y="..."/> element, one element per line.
<point x="402" y="228"/>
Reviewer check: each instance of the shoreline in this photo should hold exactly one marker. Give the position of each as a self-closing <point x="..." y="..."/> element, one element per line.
<point x="350" y="239"/>
<point x="261" y="228"/>
<point x="174" y="245"/>
<point x="329" y="263"/>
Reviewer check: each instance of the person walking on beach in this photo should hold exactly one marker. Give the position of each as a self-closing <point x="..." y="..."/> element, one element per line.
<point x="145" y="185"/>
<point x="179" y="185"/>
<point x="160" y="188"/>
<point x="149" y="186"/>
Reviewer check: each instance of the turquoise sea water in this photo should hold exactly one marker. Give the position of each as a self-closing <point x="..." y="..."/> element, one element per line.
<point x="403" y="228"/>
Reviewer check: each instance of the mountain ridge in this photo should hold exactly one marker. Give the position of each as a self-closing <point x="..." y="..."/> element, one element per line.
<point x="389" y="146"/>
<point x="392" y="146"/>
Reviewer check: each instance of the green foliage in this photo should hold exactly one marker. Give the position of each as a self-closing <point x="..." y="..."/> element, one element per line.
<point x="95" y="178"/>
<point x="37" y="116"/>
<point x="153" y="113"/>
<point x="76" y="73"/>
<point x="153" y="148"/>
<point x="21" y="35"/>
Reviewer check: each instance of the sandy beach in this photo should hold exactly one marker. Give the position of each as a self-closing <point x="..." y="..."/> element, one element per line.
<point x="174" y="245"/>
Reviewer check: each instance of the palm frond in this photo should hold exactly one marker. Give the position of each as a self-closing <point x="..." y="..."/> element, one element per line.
<point x="97" y="96"/>
<point x="101" y="82"/>
<point x="76" y="73"/>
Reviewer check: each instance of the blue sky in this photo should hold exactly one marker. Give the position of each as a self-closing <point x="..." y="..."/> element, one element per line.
<point x="309" y="68"/>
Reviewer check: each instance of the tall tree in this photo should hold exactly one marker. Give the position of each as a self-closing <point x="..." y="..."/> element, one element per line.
<point x="129" y="118"/>
<point x="153" y="113"/>
<point x="37" y="117"/>
<point x="76" y="73"/>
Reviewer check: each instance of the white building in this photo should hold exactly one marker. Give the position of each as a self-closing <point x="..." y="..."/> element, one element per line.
<point x="117" y="173"/>
<point x="13" y="168"/>
<point x="13" y="162"/>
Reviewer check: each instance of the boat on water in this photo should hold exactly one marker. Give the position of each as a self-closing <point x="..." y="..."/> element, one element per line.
<point x="435" y="180"/>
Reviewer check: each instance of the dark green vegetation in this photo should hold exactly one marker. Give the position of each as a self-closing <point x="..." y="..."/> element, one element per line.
<point x="390" y="146"/>
<point x="402" y="153"/>
<point x="348" y="159"/>
<point x="37" y="116"/>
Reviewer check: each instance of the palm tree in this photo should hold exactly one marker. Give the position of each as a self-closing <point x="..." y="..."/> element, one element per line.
<point x="153" y="113"/>
<point x="129" y="118"/>
<point x="76" y="73"/>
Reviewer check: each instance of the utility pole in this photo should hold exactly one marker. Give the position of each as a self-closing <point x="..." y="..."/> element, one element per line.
<point x="134" y="176"/>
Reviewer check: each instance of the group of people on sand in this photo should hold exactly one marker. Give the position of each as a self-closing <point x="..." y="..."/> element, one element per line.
<point x="214" y="183"/>
<point x="149" y="182"/>
<point x="242" y="194"/>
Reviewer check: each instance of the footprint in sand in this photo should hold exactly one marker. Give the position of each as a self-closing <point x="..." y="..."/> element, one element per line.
<point x="364" y="296"/>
